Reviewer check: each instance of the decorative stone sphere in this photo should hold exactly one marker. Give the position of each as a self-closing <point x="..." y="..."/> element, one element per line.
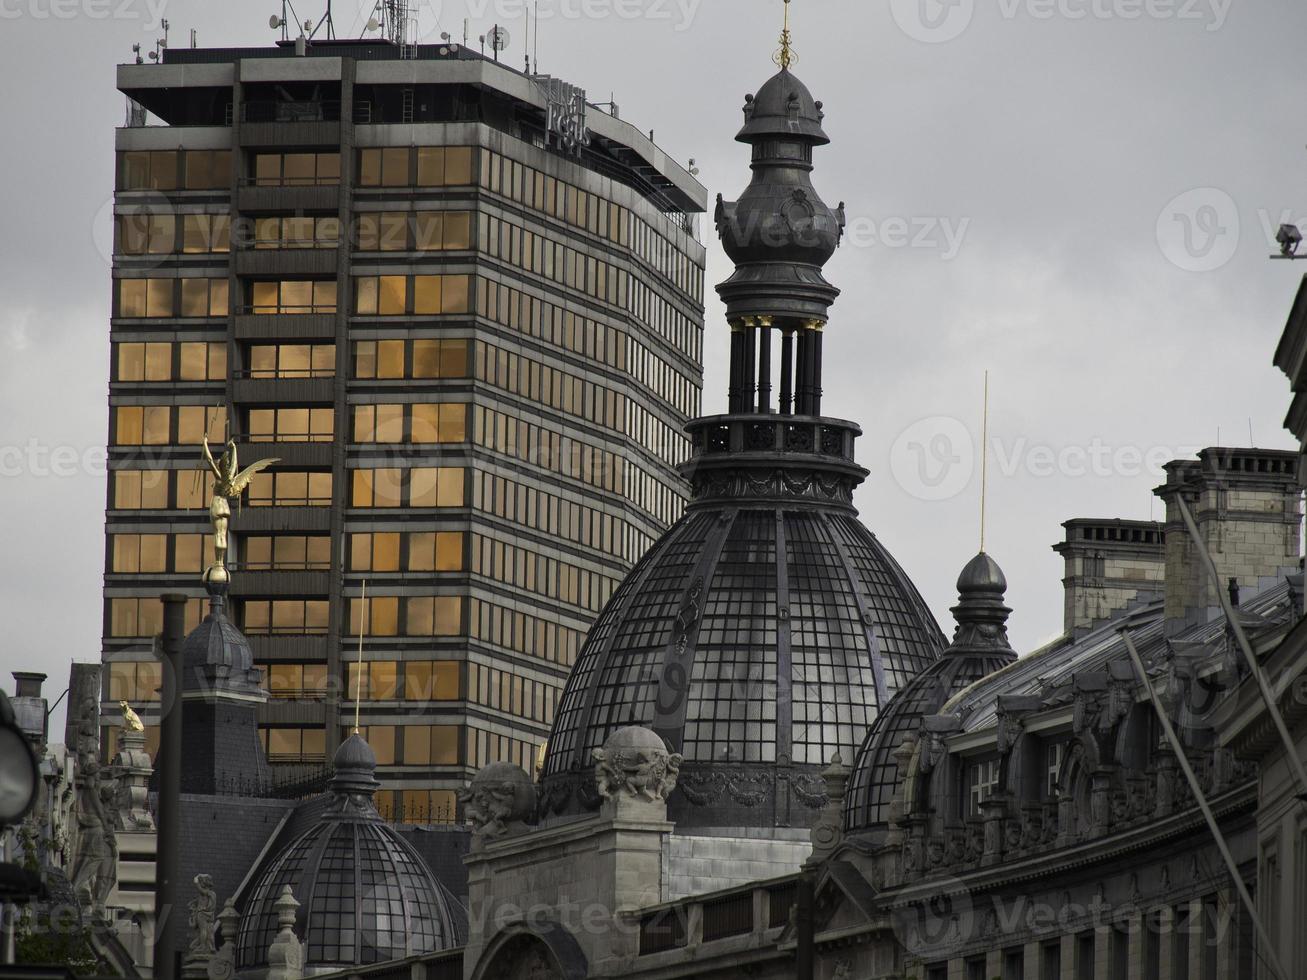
<point x="499" y="800"/>
<point x="635" y="764"/>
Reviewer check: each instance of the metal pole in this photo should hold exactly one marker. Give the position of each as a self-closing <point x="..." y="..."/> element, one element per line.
<point x="168" y="818"/>
<point x="1178" y="749"/>
<point x="1272" y="703"/>
<point x="787" y="371"/>
<point x="9" y="912"/>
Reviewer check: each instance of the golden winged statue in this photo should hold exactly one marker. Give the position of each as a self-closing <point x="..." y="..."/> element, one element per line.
<point x="131" y="720"/>
<point x="229" y="482"/>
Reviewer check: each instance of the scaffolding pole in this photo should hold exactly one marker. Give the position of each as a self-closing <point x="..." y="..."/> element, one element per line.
<point x="1271" y="956"/>
<point x="1241" y="638"/>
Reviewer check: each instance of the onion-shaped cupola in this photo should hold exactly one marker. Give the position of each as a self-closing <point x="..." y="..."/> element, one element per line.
<point x="765" y="630"/>
<point x="365" y="895"/>
<point x="979" y="648"/>
<point x="779" y="234"/>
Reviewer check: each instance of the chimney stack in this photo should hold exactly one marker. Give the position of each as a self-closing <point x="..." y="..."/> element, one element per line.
<point x="29" y="707"/>
<point x="1110" y="565"/>
<point x="1247" y="505"/>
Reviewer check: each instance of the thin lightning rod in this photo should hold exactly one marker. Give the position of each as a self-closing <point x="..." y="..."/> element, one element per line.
<point x="984" y="463"/>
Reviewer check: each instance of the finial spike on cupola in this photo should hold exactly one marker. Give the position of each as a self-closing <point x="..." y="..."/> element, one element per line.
<point x="785" y="56"/>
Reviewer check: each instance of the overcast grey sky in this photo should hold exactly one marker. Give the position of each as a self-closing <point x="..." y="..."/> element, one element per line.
<point x="1072" y="194"/>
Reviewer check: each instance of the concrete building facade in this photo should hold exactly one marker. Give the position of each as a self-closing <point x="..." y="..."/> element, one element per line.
<point x="462" y="309"/>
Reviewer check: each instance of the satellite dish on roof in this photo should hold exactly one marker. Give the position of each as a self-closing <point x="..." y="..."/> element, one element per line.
<point x="498" y="38"/>
<point x="372" y="24"/>
<point x="274" y="22"/>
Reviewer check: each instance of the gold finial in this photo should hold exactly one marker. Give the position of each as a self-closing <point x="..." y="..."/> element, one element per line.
<point x="131" y="720"/>
<point x="786" y="56"/>
<point x="229" y="482"/>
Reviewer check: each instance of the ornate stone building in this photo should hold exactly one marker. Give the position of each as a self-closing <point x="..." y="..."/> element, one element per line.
<point x="768" y="761"/>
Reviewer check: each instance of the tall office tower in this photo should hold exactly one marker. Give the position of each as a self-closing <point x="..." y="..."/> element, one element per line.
<point x="462" y="309"/>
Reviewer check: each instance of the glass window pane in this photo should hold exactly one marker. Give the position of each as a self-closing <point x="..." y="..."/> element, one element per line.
<point x="428" y="230"/>
<point x="384" y="680"/>
<point x="458" y="230"/>
<point x="385" y="551"/>
<point x="431" y="166"/>
<point x="368" y="232"/>
<point x="390" y="423"/>
<point x="298" y="168"/>
<point x="267" y="169"/>
<point x="394" y="166"/>
<point x="449" y="551"/>
<point x="458" y="165"/>
<point x="391" y="295"/>
<point x="163" y="169"/>
<point x="448" y="616"/>
<point x="454" y="294"/>
<point x="195" y="297"/>
<point x="393" y="231"/>
<point x="419" y="620"/>
<point x="417" y="681"/>
<point x="445" y="686"/>
<point x="426" y="294"/>
<point x="390" y="359"/>
<point x="369" y="168"/>
<point x="194" y="361"/>
<point x="444" y="745"/>
<point x="426" y="359"/>
<point x="154" y="431"/>
<point x="158" y="297"/>
<point x="328" y="168"/>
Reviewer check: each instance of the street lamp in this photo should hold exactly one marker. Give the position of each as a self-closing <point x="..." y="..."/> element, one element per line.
<point x="19" y="776"/>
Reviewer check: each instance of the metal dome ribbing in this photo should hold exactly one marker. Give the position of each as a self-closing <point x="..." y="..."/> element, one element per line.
<point x="764" y="631"/>
<point x="979" y="648"/>
<point x="365" y="895"/>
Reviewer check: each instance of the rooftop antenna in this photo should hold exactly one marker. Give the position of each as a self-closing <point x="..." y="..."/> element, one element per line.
<point x="358" y="673"/>
<point x="786" y="56"/>
<point x="498" y="38"/>
<point x="535" y="57"/>
<point x="984" y="463"/>
<point x="275" y="22"/>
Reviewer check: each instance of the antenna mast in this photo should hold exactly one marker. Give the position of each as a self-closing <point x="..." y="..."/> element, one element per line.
<point x="984" y="463"/>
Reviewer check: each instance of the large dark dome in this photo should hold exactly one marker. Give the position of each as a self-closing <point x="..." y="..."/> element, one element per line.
<point x="759" y="637"/>
<point x="764" y="632"/>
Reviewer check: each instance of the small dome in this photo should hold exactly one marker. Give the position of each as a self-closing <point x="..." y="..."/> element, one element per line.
<point x="216" y="656"/>
<point x="365" y="894"/>
<point x="982" y="574"/>
<point x="980" y="647"/>
<point x="783" y="107"/>
<point x="355" y="753"/>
